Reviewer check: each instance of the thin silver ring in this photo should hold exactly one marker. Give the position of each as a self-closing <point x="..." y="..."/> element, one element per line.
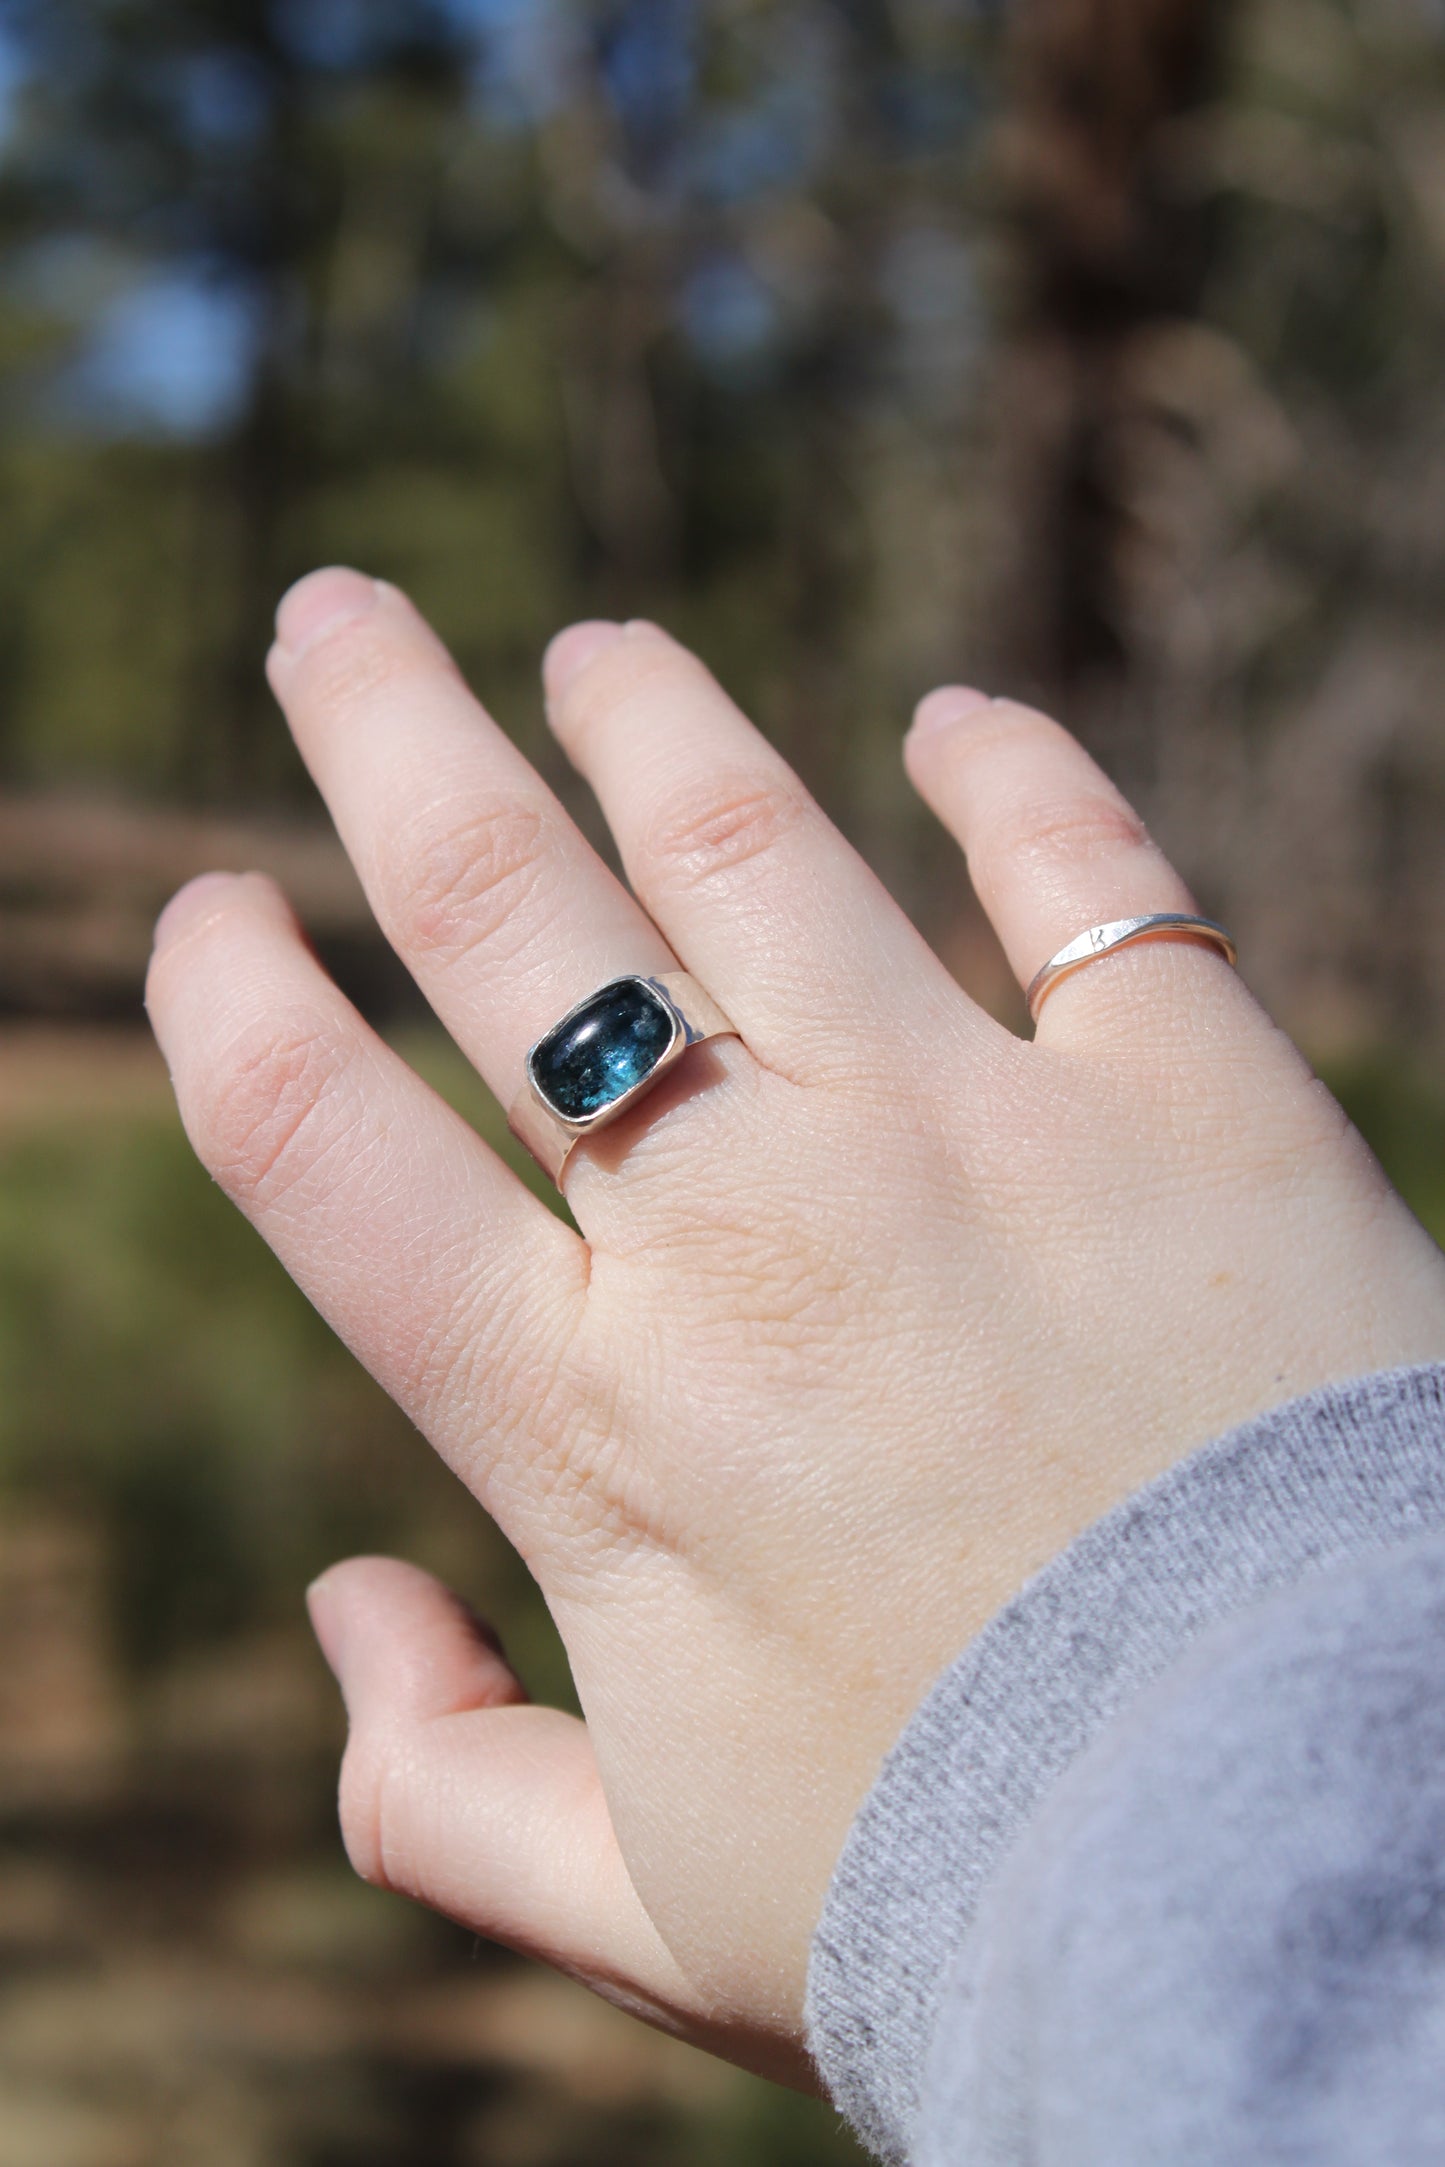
<point x="671" y="1002"/>
<point x="1098" y="940"/>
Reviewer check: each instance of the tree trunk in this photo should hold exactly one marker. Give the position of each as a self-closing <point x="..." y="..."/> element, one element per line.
<point x="1111" y="245"/>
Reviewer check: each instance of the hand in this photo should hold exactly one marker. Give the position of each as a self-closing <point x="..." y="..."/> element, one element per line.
<point x="871" y="1311"/>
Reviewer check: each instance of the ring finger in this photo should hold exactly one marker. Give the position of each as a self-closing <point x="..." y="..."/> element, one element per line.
<point x="761" y="895"/>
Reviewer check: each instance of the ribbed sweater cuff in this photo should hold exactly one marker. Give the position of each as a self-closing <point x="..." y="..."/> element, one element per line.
<point x="1307" y="1485"/>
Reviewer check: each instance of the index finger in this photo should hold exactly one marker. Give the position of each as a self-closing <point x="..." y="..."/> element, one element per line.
<point x="425" y="1253"/>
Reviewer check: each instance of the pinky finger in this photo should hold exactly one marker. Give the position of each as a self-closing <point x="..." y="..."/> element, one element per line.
<point x="1054" y="848"/>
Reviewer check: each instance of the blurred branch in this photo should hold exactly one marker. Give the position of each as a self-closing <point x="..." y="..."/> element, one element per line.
<point x="82" y="883"/>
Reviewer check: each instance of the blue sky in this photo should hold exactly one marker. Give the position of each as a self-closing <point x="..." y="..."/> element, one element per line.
<point x="172" y="356"/>
<point x="170" y="342"/>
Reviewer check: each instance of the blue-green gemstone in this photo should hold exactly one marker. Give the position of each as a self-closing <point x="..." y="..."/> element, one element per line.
<point x="603" y="1050"/>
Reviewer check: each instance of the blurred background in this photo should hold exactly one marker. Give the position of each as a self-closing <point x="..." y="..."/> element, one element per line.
<point x="1088" y="349"/>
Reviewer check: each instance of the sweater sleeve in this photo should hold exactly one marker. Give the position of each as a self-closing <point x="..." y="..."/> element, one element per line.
<point x="929" y="1960"/>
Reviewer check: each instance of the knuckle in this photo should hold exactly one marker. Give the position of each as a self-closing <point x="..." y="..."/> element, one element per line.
<point x="709" y="834"/>
<point x="366" y="1807"/>
<point x="1076" y="831"/>
<point x="584" y="1471"/>
<point x="629" y="672"/>
<point x="609" y="1509"/>
<point x="256" y="1128"/>
<point x="360" y="659"/>
<point x="977" y="744"/>
<point x="454" y="883"/>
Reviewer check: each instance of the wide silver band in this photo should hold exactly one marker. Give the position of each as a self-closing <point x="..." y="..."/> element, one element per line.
<point x="547" y="1135"/>
<point x="1087" y="947"/>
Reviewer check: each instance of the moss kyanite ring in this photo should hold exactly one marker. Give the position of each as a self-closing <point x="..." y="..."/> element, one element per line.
<point x="604" y="1055"/>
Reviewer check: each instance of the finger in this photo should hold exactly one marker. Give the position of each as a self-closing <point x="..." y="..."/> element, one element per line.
<point x="425" y="1253"/>
<point x="756" y="890"/>
<point x="456" y="1793"/>
<point x="490" y="894"/>
<point x="1052" y="849"/>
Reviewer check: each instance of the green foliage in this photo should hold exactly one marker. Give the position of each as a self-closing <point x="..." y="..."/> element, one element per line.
<point x="1399" y="1109"/>
<point x="163" y="1375"/>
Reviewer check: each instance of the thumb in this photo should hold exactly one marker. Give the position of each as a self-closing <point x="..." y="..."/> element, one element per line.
<point x="456" y="1792"/>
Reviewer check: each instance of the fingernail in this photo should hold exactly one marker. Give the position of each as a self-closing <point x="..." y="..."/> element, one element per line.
<point x="322" y="602"/>
<point x="570" y="652"/>
<point x="190" y="905"/>
<point x="940" y="710"/>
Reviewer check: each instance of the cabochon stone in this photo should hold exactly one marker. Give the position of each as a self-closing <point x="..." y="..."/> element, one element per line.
<point x="612" y="1043"/>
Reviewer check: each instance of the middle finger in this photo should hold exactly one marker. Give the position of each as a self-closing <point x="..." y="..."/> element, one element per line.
<point x="761" y="895"/>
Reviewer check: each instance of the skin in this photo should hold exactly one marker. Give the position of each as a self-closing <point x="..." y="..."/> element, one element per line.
<point x="871" y="1311"/>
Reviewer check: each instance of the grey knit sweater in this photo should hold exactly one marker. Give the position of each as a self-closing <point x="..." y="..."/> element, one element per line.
<point x="1156" y="1875"/>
